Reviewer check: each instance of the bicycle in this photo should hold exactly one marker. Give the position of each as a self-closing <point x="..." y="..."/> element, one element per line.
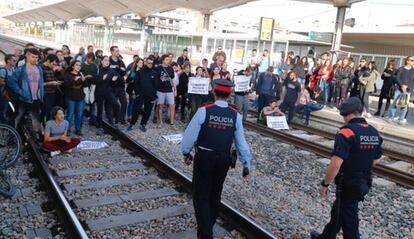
<point x="10" y="150"/>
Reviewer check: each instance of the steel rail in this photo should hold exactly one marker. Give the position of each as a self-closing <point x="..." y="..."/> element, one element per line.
<point x="72" y="225"/>
<point x="398" y="176"/>
<point x="242" y="223"/>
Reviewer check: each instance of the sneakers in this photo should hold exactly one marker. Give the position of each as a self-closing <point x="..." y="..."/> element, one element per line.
<point x="369" y="115"/>
<point x="79" y="133"/>
<point x="130" y="128"/>
<point x="142" y="128"/>
<point x="54" y="153"/>
<point x="403" y="121"/>
<point x="377" y="113"/>
<point x="315" y="235"/>
<point x="396" y="119"/>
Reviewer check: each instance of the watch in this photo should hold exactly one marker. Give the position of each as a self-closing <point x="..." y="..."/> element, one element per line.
<point x="323" y="184"/>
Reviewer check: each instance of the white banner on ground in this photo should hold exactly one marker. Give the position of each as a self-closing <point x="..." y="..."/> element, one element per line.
<point x="174" y="138"/>
<point x="277" y="122"/>
<point x="241" y="83"/>
<point x="89" y="145"/>
<point x="198" y="85"/>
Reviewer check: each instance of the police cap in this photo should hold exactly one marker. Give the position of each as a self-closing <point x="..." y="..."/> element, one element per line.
<point x="223" y="85"/>
<point x="350" y="106"/>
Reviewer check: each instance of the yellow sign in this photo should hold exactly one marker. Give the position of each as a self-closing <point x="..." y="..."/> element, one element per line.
<point x="266" y="29"/>
<point x="239" y="53"/>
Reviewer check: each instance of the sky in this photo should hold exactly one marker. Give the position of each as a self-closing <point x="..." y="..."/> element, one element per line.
<point x="293" y="15"/>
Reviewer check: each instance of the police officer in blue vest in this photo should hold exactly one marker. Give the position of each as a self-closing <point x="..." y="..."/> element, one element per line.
<point x="357" y="148"/>
<point x="212" y="132"/>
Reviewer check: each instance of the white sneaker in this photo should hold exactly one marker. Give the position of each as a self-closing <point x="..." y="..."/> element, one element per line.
<point x="396" y="119"/>
<point x="403" y="121"/>
<point x="368" y="115"/>
<point x="54" y="153"/>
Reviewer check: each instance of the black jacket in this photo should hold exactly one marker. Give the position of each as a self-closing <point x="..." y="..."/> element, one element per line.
<point x="182" y="87"/>
<point x="104" y="86"/>
<point x="74" y="89"/>
<point x="145" y="83"/>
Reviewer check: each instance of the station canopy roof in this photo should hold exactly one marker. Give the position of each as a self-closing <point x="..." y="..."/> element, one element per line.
<point x="65" y="10"/>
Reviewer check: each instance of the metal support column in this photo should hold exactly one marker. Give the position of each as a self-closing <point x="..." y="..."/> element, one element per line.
<point x="142" y="40"/>
<point x="286" y="50"/>
<point x="339" y="26"/>
<point x="204" y="41"/>
<point x="106" y="35"/>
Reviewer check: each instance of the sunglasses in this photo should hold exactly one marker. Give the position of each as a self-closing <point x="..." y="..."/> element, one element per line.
<point x="150" y="63"/>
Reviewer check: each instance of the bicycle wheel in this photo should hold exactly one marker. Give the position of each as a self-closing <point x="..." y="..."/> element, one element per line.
<point x="10" y="146"/>
<point x="7" y="189"/>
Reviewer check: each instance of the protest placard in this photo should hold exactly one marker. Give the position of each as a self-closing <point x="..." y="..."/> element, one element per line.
<point x="198" y="85"/>
<point x="91" y="145"/>
<point x="277" y="122"/>
<point x="241" y="83"/>
<point x="174" y="138"/>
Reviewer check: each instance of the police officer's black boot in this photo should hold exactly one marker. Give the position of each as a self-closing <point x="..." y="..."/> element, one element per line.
<point x="315" y="235"/>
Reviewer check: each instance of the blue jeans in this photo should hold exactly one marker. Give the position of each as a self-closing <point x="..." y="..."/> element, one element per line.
<point x="48" y="104"/>
<point x="309" y="108"/>
<point x="393" y="109"/>
<point x="75" y="110"/>
<point x="130" y="107"/>
<point x="92" y="113"/>
<point x="326" y="88"/>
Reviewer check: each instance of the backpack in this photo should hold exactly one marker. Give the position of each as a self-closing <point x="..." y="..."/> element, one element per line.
<point x="403" y="101"/>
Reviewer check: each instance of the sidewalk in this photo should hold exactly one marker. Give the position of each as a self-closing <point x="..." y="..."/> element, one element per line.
<point x="405" y="132"/>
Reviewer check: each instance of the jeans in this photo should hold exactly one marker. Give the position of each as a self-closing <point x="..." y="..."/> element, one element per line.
<point x="92" y="113"/>
<point x="111" y="108"/>
<point x="309" y="108"/>
<point x="242" y="104"/>
<point x="3" y="110"/>
<point x="263" y="101"/>
<point x="34" y="109"/>
<point x="120" y="95"/>
<point x="393" y="109"/>
<point x="364" y="96"/>
<point x="131" y="99"/>
<point x="326" y="88"/>
<point x="48" y="104"/>
<point x="138" y="102"/>
<point x="75" y="110"/>
<point x="289" y="106"/>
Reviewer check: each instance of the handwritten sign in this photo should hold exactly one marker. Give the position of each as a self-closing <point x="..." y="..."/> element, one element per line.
<point x="91" y="145"/>
<point x="174" y="138"/>
<point x="277" y="122"/>
<point x="241" y="83"/>
<point x="198" y="85"/>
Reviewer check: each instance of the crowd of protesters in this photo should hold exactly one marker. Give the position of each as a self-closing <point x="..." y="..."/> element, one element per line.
<point x="37" y="81"/>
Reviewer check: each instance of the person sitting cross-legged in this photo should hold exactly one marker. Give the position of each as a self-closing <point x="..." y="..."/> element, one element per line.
<point x="271" y="110"/>
<point x="55" y="137"/>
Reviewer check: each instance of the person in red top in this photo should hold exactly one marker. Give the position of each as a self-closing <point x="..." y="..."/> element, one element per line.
<point x="327" y="73"/>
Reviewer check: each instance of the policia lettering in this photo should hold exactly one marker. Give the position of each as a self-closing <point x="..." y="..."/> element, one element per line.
<point x="357" y="148"/>
<point x="212" y="130"/>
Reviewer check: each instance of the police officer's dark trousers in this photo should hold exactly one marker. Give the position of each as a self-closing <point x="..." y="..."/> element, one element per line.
<point x="210" y="170"/>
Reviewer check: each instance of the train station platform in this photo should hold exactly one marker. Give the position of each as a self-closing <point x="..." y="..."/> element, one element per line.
<point x="392" y="129"/>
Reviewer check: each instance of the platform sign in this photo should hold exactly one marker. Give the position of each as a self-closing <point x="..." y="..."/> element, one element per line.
<point x="277" y="122"/>
<point x="198" y="85"/>
<point x="266" y="29"/>
<point x="241" y="83"/>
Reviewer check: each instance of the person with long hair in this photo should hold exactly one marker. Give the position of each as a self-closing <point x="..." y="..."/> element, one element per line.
<point x="387" y="90"/>
<point x="301" y="69"/>
<point x="327" y="73"/>
<point x="55" y="137"/>
<point x="214" y="75"/>
<point x="367" y="82"/>
<point x="104" y="94"/>
<point x="137" y="65"/>
<point x="74" y="82"/>
<point x="343" y="76"/>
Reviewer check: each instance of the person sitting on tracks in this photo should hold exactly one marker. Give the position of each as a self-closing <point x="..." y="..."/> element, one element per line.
<point x="271" y="110"/>
<point x="55" y="136"/>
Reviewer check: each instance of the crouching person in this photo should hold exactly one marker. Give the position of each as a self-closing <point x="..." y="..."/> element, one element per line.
<point x="55" y="137"/>
<point x="271" y="110"/>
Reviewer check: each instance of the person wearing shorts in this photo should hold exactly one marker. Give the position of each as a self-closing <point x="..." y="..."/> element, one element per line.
<point x="166" y="89"/>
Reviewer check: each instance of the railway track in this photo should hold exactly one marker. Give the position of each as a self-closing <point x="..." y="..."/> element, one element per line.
<point x="398" y="176"/>
<point x="94" y="198"/>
